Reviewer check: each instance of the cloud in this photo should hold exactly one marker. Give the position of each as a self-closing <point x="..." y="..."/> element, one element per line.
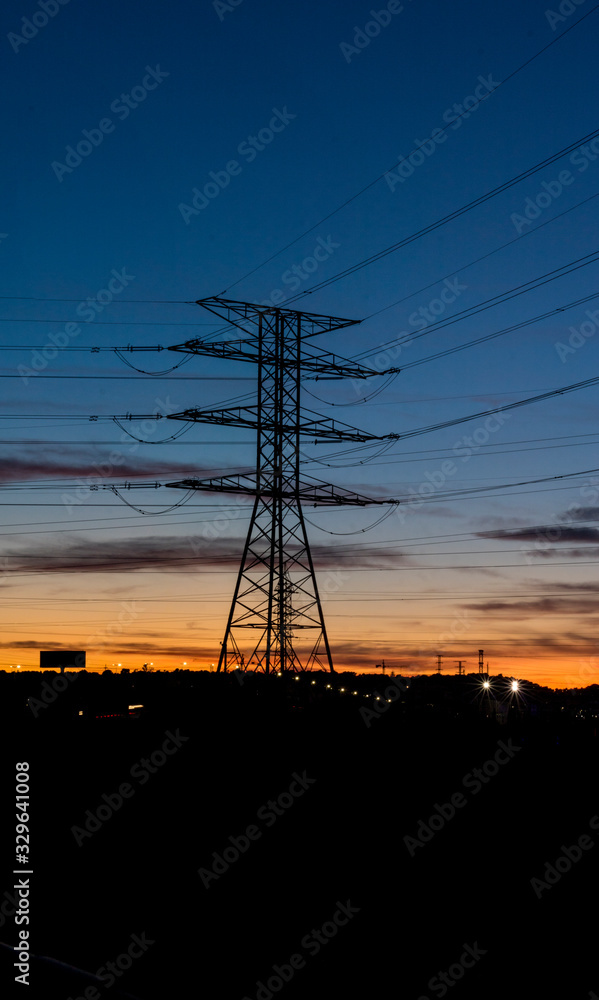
<point x="580" y="514"/>
<point x="590" y="588"/>
<point x="543" y="534"/>
<point x="566" y="553"/>
<point x="178" y="551"/>
<point x="81" y="463"/>
<point x="575" y="605"/>
<point x="499" y="522"/>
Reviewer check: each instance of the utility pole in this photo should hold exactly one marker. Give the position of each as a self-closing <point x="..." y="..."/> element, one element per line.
<point x="460" y="666"/>
<point x="481" y="665"/>
<point x="438" y="663"/>
<point x="276" y="594"/>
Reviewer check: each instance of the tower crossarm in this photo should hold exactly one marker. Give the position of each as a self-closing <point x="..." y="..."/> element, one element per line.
<point x="323" y="365"/>
<point x="240" y="314"/>
<point x="316" y="494"/>
<point x="310" y="425"/>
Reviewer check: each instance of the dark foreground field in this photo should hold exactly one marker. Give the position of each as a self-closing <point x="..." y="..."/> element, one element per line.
<point x="324" y="884"/>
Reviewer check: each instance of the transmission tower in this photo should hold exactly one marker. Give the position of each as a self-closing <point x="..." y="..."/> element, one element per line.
<point x="276" y="593"/>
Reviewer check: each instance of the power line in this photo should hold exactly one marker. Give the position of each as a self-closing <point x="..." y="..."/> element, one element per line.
<point x="408" y="501"/>
<point x="501" y="333"/>
<point x="119" y="301"/>
<point x="500" y="298"/>
<point x="348" y="201"/>
<point x="440" y="495"/>
<point x="574" y="387"/>
<point x="508" y="406"/>
<point x="373" y="258"/>
<point x="346" y="569"/>
<point x="484" y="256"/>
<point x="100" y="322"/>
<point x="141" y="378"/>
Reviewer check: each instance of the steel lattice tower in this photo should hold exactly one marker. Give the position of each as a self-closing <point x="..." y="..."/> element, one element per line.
<point x="276" y="592"/>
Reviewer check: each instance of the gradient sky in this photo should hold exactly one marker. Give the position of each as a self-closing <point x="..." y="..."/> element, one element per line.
<point x="508" y="568"/>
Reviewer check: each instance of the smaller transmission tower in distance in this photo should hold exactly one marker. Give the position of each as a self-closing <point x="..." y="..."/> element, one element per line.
<point x="276" y="599"/>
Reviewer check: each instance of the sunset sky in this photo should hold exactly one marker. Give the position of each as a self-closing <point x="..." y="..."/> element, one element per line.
<point x="252" y="149"/>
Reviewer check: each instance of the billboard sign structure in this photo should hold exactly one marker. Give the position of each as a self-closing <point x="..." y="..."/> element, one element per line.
<point x="62" y="659"/>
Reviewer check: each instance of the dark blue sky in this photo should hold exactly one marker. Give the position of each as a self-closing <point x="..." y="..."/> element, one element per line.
<point x="344" y="106"/>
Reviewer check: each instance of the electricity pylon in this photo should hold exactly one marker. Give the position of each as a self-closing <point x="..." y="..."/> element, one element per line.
<point x="276" y="593"/>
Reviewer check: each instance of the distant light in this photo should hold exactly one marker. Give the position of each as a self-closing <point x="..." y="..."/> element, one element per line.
<point x="279" y="674"/>
<point x="514" y="685"/>
<point x="486" y="684"/>
<point x="135" y="706"/>
<point x="355" y="692"/>
<point x="314" y="682"/>
<point x="80" y="713"/>
<point x="297" y="678"/>
<point x="342" y="689"/>
<point x="329" y="687"/>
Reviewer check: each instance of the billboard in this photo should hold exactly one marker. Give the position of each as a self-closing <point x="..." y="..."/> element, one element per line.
<point x="62" y="659"/>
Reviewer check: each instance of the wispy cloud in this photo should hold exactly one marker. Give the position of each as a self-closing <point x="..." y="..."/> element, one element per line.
<point x="83" y="463"/>
<point x="555" y="534"/>
<point x="180" y="551"/>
